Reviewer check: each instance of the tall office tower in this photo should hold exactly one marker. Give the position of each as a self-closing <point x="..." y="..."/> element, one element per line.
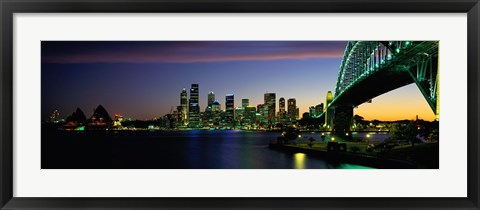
<point x="265" y="114"/>
<point x="216" y="107"/>
<point x="260" y="112"/>
<point x="216" y="113"/>
<point x="319" y="109"/>
<point x="312" y="112"/>
<point x="269" y="101"/>
<point x="292" y="109"/>
<point x="250" y="114"/>
<point x="281" y="104"/>
<point x="211" y="98"/>
<point x="177" y="116"/>
<point x="281" y="112"/>
<point x="297" y="113"/>
<point x="184" y="105"/>
<point x="245" y="102"/>
<point x="194" y="108"/>
<point x="229" y="108"/>
<point x="239" y="112"/>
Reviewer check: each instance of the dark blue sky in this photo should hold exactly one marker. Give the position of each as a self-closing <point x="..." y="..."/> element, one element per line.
<point x="143" y="80"/>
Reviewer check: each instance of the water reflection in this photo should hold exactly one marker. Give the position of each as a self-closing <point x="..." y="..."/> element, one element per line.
<point x="351" y="166"/>
<point x="299" y="160"/>
<point x="196" y="149"/>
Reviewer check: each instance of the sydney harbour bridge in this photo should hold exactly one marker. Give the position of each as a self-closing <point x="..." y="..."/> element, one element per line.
<point x="372" y="68"/>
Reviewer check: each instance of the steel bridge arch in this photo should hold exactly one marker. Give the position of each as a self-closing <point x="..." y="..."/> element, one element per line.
<point x="419" y="59"/>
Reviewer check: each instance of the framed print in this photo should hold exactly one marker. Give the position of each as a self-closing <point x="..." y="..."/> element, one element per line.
<point x="252" y="105"/>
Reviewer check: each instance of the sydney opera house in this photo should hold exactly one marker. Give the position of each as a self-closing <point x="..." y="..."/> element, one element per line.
<point x="100" y="120"/>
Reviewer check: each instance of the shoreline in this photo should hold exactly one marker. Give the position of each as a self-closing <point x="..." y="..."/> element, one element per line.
<point x="183" y="130"/>
<point x="346" y="157"/>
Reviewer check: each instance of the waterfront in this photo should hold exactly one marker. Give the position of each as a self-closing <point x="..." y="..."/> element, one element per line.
<point x="194" y="149"/>
<point x="179" y="112"/>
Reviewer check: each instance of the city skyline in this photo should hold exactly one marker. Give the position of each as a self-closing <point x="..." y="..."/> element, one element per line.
<point x="146" y="85"/>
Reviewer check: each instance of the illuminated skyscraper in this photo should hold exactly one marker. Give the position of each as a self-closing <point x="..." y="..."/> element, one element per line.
<point x="229" y="108"/>
<point x="184" y="107"/>
<point x="264" y="112"/>
<point x="194" y="108"/>
<point x="239" y="112"/>
<point x="250" y="114"/>
<point x="269" y="101"/>
<point x="292" y="109"/>
<point x="211" y="98"/>
<point x="297" y="113"/>
<point x="216" y="107"/>
<point x="260" y="109"/>
<point x="312" y="112"/>
<point x="319" y="109"/>
<point x="316" y="111"/>
<point x="176" y="120"/>
<point x="281" y="113"/>
<point x="216" y="113"/>
<point x="245" y="102"/>
<point x="281" y="104"/>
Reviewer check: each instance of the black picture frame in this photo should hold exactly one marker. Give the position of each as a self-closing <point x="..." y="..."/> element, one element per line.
<point x="9" y="7"/>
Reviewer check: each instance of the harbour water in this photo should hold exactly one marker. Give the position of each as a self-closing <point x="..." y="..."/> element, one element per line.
<point x="194" y="149"/>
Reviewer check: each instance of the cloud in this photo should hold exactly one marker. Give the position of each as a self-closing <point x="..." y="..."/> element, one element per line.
<point x="77" y="52"/>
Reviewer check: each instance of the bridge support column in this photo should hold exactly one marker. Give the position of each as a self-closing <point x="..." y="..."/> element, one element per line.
<point x="343" y="121"/>
<point x="329" y="113"/>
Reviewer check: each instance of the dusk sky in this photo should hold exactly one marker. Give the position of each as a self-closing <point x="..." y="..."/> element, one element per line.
<point x="143" y="79"/>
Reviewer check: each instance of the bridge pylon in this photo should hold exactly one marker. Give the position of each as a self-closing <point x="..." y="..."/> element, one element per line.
<point x="342" y="121"/>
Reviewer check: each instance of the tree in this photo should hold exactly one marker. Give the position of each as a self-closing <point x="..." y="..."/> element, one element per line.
<point x="410" y="133"/>
<point x="359" y="122"/>
<point x="433" y="136"/>
<point x="354" y="149"/>
<point x="404" y="131"/>
<point x="358" y="118"/>
<point x="291" y="133"/>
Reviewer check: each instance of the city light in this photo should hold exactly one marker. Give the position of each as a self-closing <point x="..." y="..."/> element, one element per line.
<point x="287" y="118"/>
